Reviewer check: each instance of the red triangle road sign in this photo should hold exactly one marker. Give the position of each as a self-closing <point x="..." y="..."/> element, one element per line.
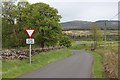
<point x="30" y="31"/>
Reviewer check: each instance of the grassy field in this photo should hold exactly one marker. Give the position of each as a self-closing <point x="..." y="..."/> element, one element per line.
<point x="81" y="45"/>
<point x="87" y="32"/>
<point x="14" y="68"/>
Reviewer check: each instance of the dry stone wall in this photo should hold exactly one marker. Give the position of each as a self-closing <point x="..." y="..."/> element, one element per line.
<point x="10" y="54"/>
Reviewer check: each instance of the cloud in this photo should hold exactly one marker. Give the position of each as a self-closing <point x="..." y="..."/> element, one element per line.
<point x="34" y="1"/>
<point x="88" y="10"/>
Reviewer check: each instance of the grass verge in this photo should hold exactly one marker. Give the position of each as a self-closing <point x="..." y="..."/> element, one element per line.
<point x="0" y="69"/>
<point x="97" y="69"/>
<point x="15" y="68"/>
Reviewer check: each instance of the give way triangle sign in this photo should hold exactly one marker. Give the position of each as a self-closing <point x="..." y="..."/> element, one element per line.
<point x="30" y="31"/>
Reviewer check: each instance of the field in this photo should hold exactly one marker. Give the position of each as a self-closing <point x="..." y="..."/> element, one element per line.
<point x="87" y="32"/>
<point x="112" y="35"/>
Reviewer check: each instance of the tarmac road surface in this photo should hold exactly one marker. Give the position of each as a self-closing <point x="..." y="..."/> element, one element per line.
<point x="79" y="65"/>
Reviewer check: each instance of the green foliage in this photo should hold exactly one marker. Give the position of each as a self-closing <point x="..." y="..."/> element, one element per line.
<point x="13" y="34"/>
<point x="65" y="41"/>
<point x="8" y="33"/>
<point x="42" y="17"/>
<point x="46" y="20"/>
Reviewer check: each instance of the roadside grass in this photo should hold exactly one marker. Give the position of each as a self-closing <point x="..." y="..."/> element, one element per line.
<point x="110" y="57"/>
<point x="97" y="69"/>
<point x="15" y="68"/>
<point x="0" y="69"/>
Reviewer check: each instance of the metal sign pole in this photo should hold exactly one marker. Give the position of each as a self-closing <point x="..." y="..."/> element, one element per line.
<point x="30" y="53"/>
<point x="30" y="41"/>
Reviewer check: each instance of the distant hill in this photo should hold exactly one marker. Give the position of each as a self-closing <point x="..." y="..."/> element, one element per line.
<point x="73" y="25"/>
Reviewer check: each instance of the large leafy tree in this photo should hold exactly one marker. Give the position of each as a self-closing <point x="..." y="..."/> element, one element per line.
<point x="45" y="20"/>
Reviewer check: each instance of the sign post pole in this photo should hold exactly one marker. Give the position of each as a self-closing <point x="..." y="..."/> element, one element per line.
<point x="30" y="41"/>
<point x="30" y="53"/>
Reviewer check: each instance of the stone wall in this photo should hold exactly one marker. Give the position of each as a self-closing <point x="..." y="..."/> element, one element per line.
<point x="10" y="54"/>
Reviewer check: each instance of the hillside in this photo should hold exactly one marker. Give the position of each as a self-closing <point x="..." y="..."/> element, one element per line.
<point x="73" y="25"/>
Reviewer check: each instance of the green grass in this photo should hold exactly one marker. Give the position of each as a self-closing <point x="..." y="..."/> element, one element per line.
<point x="14" y="68"/>
<point x="81" y="45"/>
<point x="97" y="66"/>
<point x="0" y="69"/>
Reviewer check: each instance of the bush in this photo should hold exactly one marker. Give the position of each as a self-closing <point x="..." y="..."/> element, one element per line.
<point x="65" y="41"/>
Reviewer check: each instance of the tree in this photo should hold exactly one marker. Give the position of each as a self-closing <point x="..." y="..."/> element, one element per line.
<point x="20" y="28"/>
<point x="65" y="41"/>
<point x="46" y="21"/>
<point x="96" y="35"/>
<point x="12" y="29"/>
<point x="8" y="23"/>
<point x="15" y="18"/>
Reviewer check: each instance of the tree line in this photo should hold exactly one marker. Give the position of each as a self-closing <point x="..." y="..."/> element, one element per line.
<point x="18" y="15"/>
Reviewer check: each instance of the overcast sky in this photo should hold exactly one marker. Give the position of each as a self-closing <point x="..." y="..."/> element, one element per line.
<point x="85" y="10"/>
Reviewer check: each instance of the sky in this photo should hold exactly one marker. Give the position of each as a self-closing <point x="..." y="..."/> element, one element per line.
<point x="84" y="10"/>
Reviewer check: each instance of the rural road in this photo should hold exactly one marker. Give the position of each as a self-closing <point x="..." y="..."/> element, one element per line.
<point x="79" y="65"/>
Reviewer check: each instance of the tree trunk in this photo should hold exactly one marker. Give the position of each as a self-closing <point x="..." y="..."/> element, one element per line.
<point x="42" y="41"/>
<point x="94" y="40"/>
